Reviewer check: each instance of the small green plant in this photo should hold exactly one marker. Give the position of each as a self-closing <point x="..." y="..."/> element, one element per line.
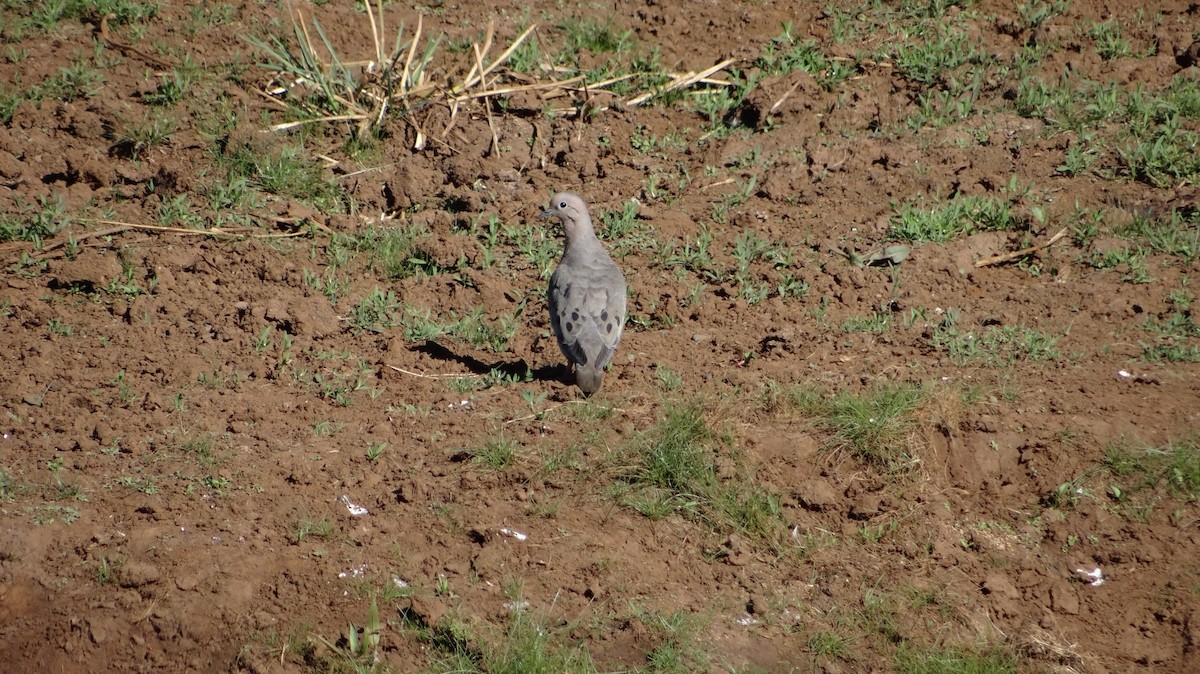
<point x="145" y="485"/>
<point x="675" y="471"/>
<point x="442" y="589"/>
<point x="263" y="341"/>
<point x="929" y="59"/>
<point x="1110" y="42"/>
<point x="534" y="400"/>
<point x="34" y="224"/>
<point x="307" y="528"/>
<point x="172" y="88"/>
<point x="327" y="428"/>
<point x="676" y="639"/>
<point x="394" y="251"/>
<point x="1175" y="466"/>
<point x="375" y="450"/>
<point x="472" y="327"/>
<point x="75" y="82"/>
<point x="497" y="453"/>
<point x="668" y="379"/>
<point x="1175" y="336"/>
<point x="994" y="345"/>
<point x="877" y="323"/>
<point x="60" y="329"/>
<point x="785" y="54"/>
<point x="286" y="172"/>
<point x="125" y="392"/>
<point x="360" y="649"/>
<point x="376" y="312"/>
<point x="179" y="212"/>
<point x="1035" y="13"/>
<point x="106" y="571"/>
<point x="829" y="645"/>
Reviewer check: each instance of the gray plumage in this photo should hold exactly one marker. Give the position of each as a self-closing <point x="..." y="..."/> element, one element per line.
<point x="586" y="296"/>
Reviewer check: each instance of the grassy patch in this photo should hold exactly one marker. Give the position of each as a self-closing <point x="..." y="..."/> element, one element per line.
<point x="393" y="251"/>
<point x="675" y="470"/>
<point x="993" y="345"/>
<point x="36" y="223"/>
<point x="1175" y="337"/>
<point x="284" y="171"/>
<point x="1174" y="467"/>
<point x="497" y="453"/>
<point x="472" y="328"/>
<point x="953" y="660"/>
<point x="310" y="528"/>
<point x="874" y="425"/>
<point x="961" y="216"/>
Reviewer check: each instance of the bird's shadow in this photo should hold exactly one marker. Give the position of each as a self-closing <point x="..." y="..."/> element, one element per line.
<point x="517" y="369"/>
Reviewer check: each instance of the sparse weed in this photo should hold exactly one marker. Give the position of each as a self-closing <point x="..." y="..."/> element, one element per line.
<point x="1035" y="13"/>
<point x="930" y="59"/>
<point x="35" y="224"/>
<point x="172" y="88"/>
<point x="675" y="471"/>
<point x="668" y="379"/>
<point x="73" y="83"/>
<point x="472" y="328"/>
<point x="310" y="528"/>
<point x="375" y="312"/>
<point x="784" y="54"/>
<point x="877" y="323"/>
<point x="960" y="216"/>
<point x="391" y="250"/>
<point x="911" y="659"/>
<point x="497" y="453"/>
<point x="994" y="345"/>
<point x="358" y="650"/>
<point x="135" y="140"/>
<point x="286" y="172"/>
<point x="375" y="450"/>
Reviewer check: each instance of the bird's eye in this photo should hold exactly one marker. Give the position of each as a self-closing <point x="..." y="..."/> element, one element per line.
<point x="562" y="204"/>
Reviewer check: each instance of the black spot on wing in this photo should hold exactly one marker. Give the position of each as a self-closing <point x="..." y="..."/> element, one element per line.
<point x="570" y="327"/>
<point x="608" y="327"/>
<point x="604" y="317"/>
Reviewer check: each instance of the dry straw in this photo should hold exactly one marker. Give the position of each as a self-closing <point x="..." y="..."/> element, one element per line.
<point x="400" y="80"/>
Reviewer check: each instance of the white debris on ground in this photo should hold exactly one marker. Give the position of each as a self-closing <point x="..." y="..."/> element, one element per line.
<point x="355" y="509"/>
<point x="513" y="534"/>
<point x="1094" y="577"/>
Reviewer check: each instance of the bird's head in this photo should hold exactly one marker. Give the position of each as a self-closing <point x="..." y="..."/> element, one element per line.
<point x="570" y="210"/>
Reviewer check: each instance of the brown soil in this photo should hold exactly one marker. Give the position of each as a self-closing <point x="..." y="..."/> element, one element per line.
<point x="155" y="440"/>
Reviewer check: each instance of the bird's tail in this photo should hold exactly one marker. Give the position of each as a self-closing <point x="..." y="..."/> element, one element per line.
<point x="589" y="378"/>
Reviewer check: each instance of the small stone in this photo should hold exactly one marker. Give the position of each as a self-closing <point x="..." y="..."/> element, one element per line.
<point x="137" y="574"/>
<point x="815" y="495"/>
<point x="1063" y="599"/>
<point x="864" y="508"/>
<point x="736" y="551"/>
<point x="98" y="632"/>
<point x="998" y="585"/>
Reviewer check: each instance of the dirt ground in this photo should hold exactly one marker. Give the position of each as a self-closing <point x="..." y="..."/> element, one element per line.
<point x="187" y="417"/>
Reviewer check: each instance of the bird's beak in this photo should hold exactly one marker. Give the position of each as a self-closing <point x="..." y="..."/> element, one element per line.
<point x="546" y="214"/>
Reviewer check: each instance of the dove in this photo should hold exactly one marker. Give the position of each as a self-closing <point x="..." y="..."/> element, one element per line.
<point x="586" y="296"/>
